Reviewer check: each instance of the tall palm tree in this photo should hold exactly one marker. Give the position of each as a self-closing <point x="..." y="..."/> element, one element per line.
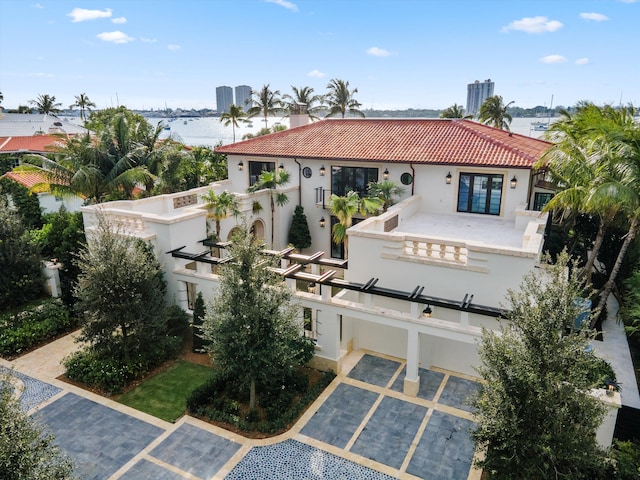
<point x="494" y="112"/>
<point x="386" y="191"/>
<point x="220" y="207"/>
<point x="265" y="102"/>
<point x="272" y="181"/>
<point x="454" y="111"/>
<point x="232" y="117"/>
<point x="46" y="103"/>
<point x="344" y="208"/>
<point x="303" y="96"/>
<point x="84" y="104"/>
<point x="340" y="99"/>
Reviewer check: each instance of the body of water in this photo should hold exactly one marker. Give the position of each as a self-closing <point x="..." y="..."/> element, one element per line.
<point x="209" y="131"/>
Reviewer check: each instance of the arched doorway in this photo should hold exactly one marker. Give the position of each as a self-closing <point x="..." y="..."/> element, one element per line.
<point x="257" y="229"/>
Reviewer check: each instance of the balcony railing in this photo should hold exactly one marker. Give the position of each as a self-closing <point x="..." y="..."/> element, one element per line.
<point x="446" y="252"/>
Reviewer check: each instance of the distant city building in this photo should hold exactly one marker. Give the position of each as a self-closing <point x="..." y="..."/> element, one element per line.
<point x="243" y="97"/>
<point x="224" y="99"/>
<point x="477" y="93"/>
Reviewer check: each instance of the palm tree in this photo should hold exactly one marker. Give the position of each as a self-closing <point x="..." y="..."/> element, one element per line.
<point x="83" y="102"/>
<point x="271" y="181"/>
<point x="386" y="191"/>
<point x="220" y="207"/>
<point x="265" y="103"/>
<point x="454" y="111"/>
<point x="46" y="103"/>
<point x="340" y="99"/>
<point x="232" y="117"/>
<point x="494" y="112"/>
<point x="303" y="96"/>
<point x="344" y="208"/>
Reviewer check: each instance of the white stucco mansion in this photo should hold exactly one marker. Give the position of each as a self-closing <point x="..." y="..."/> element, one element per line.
<point x="421" y="279"/>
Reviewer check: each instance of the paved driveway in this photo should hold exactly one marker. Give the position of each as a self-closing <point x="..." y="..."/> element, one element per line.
<point x="362" y="427"/>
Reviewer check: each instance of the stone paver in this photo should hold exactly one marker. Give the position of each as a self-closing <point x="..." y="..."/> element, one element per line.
<point x="374" y="370"/>
<point x="445" y="451"/>
<point x="195" y="451"/>
<point x="146" y="470"/>
<point x="35" y="392"/>
<point x="390" y="431"/>
<point x="457" y="393"/>
<point x="430" y="382"/>
<point x="99" y="439"/>
<point x="340" y="415"/>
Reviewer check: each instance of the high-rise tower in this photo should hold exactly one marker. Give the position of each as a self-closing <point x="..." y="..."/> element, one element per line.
<point x="243" y="97"/>
<point x="477" y="93"/>
<point x="224" y="99"/>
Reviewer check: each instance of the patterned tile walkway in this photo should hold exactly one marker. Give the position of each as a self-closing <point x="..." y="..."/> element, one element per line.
<point x="363" y="427"/>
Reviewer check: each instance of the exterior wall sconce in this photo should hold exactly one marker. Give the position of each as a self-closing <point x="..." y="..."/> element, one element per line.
<point x="514" y="182"/>
<point x="427" y="311"/>
<point x="385" y="174"/>
<point x="281" y="168"/>
<point x="322" y="171"/>
<point x="311" y="288"/>
<point x="322" y="222"/>
<point x="448" y="178"/>
<point x="240" y="166"/>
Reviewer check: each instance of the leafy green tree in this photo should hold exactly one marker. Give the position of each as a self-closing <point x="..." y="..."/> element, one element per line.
<point x="299" y="235"/>
<point x="494" y="112"/>
<point x="209" y="166"/>
<point x="266" y="102"/>
<point x="272" y="181"/>
<point x="535" y="416"/>
<point x="84" y="104"/>
<point x="20" y="275"/>
<point x="120" y="293"/>
<point x="252" y="324"/>
<point x="221" y="206"/>
<point x="26" y="450"/>
<point x="199" y="311"/>
<point x="100" y="120"/>
<point x="344" y="208"/>
<point x="26" y="203"/>
<point x="233" y="117"/>
<point x="387" y="191"/>
<point x="303" y="96"/>
<point x="46" y="103"/>
<point x="454" y="111"/>
<point x="62" y="237"/>
<point x="341" y="100"/>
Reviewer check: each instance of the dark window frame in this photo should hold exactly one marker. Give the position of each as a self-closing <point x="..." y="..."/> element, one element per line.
<point x="356" y="179"/>
<point x="256" y="168"/>
<point x="471" y="198"/>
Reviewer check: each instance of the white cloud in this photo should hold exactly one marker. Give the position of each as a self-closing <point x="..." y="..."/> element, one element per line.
<point x="596" y="17"/>
<point x="283" y="3"/>
<point x="82" y="14"/>
<point x="115" y="37"/>
<point x="582" y="61"/>
<point x="148" y="40"/>
<point x="37" y="5"/>
<point x="119" y="20"/>
<point x="553" y="59"/>
<point x="173" y="48"/>
<point x="316" y="74"/>
<point x="378" y="52"/>
<point x="534" y="25"/>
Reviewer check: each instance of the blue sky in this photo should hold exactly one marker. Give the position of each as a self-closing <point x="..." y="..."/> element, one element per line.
<point x="398" y="53"/>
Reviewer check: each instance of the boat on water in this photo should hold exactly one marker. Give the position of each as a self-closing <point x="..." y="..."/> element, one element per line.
<point x="167" y="127"/>
<point x="539" y="126"/>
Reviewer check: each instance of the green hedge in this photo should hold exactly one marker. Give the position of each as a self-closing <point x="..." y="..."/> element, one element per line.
<point x="112" y="375"/>
<point x="26" y="329"/>
<point x="212" y="401"/>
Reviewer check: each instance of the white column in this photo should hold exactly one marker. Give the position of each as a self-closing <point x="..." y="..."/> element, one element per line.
<point x="412" y="379"/>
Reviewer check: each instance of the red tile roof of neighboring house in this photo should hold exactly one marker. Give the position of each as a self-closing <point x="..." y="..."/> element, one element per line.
<point x="27" y="179"/>
<point x="431" y="141"/>
<point x="33" y="143"/>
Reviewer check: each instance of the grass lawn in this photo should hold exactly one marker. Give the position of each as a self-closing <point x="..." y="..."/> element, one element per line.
<point x="165" y="394"/>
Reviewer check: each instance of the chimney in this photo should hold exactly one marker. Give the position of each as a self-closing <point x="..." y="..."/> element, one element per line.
<point x="299" y="116"/>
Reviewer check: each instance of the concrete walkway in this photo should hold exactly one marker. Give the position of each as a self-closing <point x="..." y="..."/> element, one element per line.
<point x="361" y="427"/>
<point x="615" y="350"/>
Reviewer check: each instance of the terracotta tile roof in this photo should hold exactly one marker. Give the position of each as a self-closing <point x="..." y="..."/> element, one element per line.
<point x="33" y="143"/>
<point x="26" y="179"/>
<point x="430" y="141"/>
